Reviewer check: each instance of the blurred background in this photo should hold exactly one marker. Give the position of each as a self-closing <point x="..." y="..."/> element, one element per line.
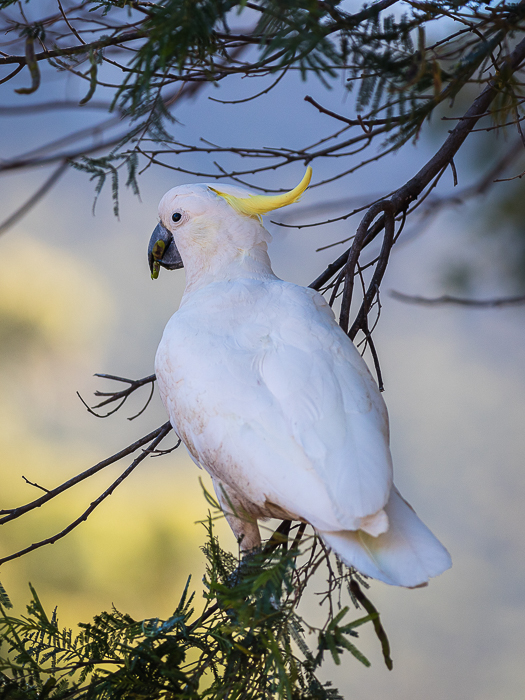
<point x="76" y="298"/>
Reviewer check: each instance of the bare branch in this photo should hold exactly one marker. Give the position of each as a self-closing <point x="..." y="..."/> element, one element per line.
<point x="161" y="434"/>
<point x="363" y="123"/>
<point x="495" y="302"/>
<point x="409" y="192"/>
<point x="353" y="256"/>
<point x="11" y="75"/>
<point x="34" y="199"/>
<point x="120" y="396"/>
<point x="32" y="483"/>
<point x="13" y="513"/>
<point x="75" y="50"/>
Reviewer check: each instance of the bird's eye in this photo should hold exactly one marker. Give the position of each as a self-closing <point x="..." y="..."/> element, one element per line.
<point x="176" y="217"/>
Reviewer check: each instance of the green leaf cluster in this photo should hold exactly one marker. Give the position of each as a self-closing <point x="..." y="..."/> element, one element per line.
<point x="402" y="61"/>
<point x="248" y="642"/>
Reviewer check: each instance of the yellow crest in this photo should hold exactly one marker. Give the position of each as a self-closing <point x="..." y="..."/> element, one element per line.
<point x="258" y="204"/>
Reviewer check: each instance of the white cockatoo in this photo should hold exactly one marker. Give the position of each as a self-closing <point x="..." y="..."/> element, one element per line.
<point x="271" y="397"/>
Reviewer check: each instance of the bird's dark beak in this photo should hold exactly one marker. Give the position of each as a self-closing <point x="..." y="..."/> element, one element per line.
<point x="162" y="251"/>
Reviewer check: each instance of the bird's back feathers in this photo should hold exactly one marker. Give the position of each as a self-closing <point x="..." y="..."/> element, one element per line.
<point x="280" y="392"/>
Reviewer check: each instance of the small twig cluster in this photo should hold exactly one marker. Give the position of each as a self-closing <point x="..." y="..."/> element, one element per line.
<point x="120" y="397"/>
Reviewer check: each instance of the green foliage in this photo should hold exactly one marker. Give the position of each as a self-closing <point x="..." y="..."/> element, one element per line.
<point x="248" y="642"/>
<point x="180" y="33"/>
<point x="376" y="50"/>
<point x="403" y="62"/>
<point x="101" y="168"/>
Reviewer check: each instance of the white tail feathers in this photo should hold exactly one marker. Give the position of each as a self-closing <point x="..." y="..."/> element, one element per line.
<point x="407" y="554"/>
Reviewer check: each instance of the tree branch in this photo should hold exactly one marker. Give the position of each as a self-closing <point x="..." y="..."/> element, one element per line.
<point x="409" y="192"/>
<point x="34" y="199"/>
<point x="459" y="301"/>
<point x="161" y="434"/>
<point x="353" y="256"/>
<point x="120" y="396"/>
<point x="13" y="513"/>
<point x="74" y="50"/>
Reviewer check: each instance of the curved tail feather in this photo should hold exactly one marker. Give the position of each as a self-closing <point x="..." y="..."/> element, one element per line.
<point x="408" y="554"/>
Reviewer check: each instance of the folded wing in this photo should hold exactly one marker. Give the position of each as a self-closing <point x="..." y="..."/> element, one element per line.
<point x="272" y="398"/>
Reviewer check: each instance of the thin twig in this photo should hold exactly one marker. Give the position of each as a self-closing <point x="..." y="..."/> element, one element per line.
<point x="34" y="199"/>
<point x="161" y="434"/>
<point x="32" y="483"/>
<point x="120" y="396"/>
<point x="13" y="513"/>
<point x="459" y="301"/>
<point x="364" y="123"/>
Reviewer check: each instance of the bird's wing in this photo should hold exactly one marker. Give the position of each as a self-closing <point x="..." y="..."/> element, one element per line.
<point x="330" y="403"/>
<point x="271" y="397"/>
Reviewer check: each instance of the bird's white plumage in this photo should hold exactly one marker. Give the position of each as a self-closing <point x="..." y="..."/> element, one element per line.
<point x="274" y="401"/>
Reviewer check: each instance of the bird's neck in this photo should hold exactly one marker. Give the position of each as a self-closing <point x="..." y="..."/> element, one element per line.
<point x="228" y="264"/>
<point x="218" y="252"/>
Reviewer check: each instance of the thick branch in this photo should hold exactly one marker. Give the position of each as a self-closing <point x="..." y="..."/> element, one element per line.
<point x="402" y="198"/>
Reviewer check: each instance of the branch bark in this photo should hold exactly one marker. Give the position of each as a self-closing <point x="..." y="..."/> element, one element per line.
<point x="409" y="192"/>
<point x="74" y="50"/>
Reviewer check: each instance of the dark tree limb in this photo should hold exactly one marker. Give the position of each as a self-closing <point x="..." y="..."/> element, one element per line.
<point x="75" y="50"/>
<point x="409" y="192"/>
<point x="361" y="322"/>
<point x="353" y="256"/>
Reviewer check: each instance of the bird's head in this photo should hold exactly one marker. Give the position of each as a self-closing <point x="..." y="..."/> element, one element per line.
<point x="201" y="222"/>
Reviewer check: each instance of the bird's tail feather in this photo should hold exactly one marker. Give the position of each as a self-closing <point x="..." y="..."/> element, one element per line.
<point x="407" y="554"/>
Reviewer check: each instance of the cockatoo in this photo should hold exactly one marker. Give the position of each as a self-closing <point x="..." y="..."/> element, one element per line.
<point x="271" y="397"/>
